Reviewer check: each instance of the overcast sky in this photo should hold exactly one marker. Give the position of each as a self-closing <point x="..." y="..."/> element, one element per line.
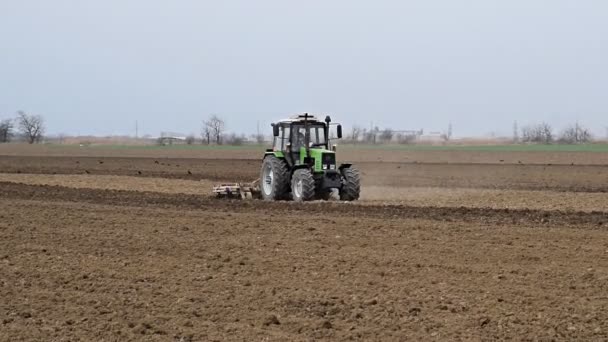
<point x="95" y="67"/>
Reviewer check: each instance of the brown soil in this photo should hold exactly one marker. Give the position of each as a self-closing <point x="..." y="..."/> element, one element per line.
<point x="485" y="198"/>
<point x="579" y="178"/>
<point x="348" y="152"/>
<point x="371" y="194"/>
<point x="111" y="182"/>
<point x="176" y="168"/>
<point x="116" y="256"/>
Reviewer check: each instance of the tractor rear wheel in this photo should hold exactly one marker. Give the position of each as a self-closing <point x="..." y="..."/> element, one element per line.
<point x="351" y="184"/>
<point x="302" y="185"/>
<point x="274" y="179"/>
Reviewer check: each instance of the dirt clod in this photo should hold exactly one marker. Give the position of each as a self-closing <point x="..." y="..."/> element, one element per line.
<point x="484" y="321"/>
<point x="415" y="311"/>
<point x="271" y="320"/>
<point x="327" y="325"/>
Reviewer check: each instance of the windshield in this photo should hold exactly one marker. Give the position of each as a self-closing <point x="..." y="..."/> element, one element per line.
<point x="317" y="134"/>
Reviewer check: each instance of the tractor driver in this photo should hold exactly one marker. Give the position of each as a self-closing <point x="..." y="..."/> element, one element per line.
<point x="300" y="140"/>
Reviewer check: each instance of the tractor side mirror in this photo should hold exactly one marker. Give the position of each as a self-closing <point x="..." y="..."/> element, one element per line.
<point x="275" y="130"/>
<point x="339" y="131"/>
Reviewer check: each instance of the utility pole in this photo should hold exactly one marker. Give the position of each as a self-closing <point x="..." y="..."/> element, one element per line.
<point x="449" y="131"/>
<point x="136" y="130"/>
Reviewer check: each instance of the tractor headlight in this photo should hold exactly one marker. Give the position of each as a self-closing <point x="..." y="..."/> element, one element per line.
<point x="324" y="167"/>
<point x="332" y="167"/>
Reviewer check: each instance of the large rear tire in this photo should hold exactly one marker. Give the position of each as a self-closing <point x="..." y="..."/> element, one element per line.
<point x="351" y="184"/>
<point x="274" y="179"/>
<point x="302" y="185"/>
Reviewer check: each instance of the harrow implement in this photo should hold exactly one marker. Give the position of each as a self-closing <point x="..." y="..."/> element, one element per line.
<point x="238" y="190"/>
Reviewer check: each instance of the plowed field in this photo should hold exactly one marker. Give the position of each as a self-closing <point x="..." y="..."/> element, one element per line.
<point x="118" y="248"/>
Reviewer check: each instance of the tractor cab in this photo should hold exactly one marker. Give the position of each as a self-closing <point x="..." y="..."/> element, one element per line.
<point x="301" y="164"/>
<point x="305" y="140"/>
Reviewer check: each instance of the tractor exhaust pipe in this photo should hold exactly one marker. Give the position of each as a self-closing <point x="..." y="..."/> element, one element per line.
<point x="306" y="136"/>
<point x="327" y="122"/>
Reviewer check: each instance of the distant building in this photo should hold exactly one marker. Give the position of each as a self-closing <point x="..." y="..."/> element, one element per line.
<point x="171" y="138"/>
<point x="431" y="137"/>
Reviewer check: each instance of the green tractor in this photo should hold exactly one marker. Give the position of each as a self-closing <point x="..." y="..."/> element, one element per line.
<point x="301" y="165"/>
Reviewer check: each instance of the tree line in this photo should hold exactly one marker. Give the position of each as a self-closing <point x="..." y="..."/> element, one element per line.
<point x="543" y="133"/>
<point x="213" y="131"/>
<point x="539" y="133"/>
<point x="25" y="126"/>
<point x="31" y="128"/>
<point x="376" y="135"/>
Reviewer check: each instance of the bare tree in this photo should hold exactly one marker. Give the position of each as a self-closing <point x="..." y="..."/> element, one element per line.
<point x="376" y="134"/>
<point x="355" y="134"/>
<point x="31" y="126"/>
<point x="213" y="128"/>
<point x="365" y="136"/>
<point x="371" y="136"/>
<point x="406" y="138"/>
<point x="568" y="135"/>
<point x="540" y="133"/>
<point x="206" y="133"/>
<point x="546" y="133"/>
<point x="6" y="130"/>
<point x="584" y="135"/>
<point x="386" y="136"/>
<point x="527" y="133"/>
<point x="235" y="139"/>
<point x="447" y="135"/>
<point x="258" y="138"/>
<point x="190" y="139"/>
<point x="575" y="134"/>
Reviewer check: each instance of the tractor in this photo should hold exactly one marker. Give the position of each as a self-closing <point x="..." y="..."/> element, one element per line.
<point x="301" y="165"/>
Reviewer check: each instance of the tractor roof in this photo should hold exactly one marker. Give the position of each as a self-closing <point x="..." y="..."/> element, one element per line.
<point x="300" y="118"/>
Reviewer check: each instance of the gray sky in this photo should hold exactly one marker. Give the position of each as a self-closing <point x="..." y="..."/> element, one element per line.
<point x="95" y="67"/>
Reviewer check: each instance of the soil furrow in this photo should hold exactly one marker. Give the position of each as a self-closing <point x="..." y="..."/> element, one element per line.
<point x="597" y="220"/>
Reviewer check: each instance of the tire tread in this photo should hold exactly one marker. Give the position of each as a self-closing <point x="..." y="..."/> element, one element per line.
<point x="280" y="188"/>
<point x="308" y="184"/>
<point x="351" y="188"/>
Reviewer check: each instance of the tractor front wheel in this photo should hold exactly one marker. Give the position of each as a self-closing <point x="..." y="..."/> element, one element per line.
<point x="302" y="185"/>
<point x="351" y="184"/>
<point x="274" y="180"/>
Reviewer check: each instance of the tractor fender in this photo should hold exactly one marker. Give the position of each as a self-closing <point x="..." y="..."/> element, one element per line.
<point x="297" y="167"/>
<point x="278" y="154"/>
<point x="344" y="166"/>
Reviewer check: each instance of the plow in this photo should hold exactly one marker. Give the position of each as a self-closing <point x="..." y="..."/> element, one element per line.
<point x="299" y="166"/>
